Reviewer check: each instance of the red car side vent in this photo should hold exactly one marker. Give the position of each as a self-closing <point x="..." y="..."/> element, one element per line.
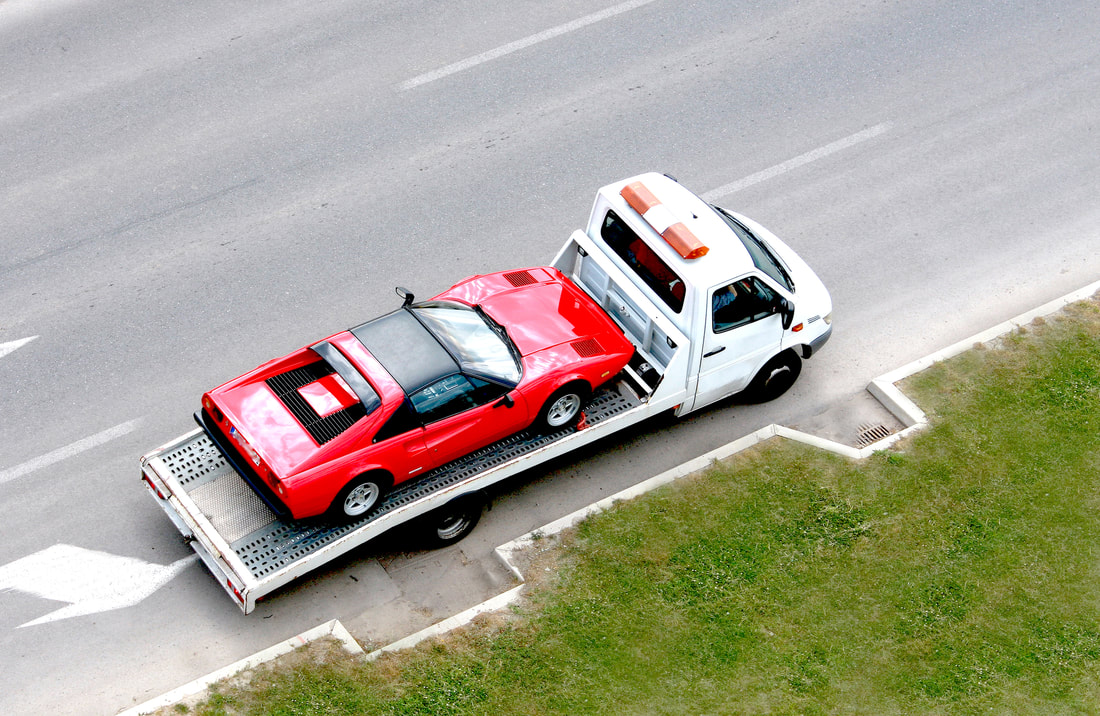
<point x="520" y="278"/>
<point x="587" y="347"/>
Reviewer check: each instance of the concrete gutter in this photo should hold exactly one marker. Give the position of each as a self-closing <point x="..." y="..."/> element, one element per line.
<point x="884" y="388"/>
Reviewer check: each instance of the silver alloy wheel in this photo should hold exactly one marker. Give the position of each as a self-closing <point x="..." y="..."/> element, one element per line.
<point x="361" y="498"/>
<point x="563" y="410"/>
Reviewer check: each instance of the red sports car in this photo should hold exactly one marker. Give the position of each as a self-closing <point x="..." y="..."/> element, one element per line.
<point x="331" y="427"/>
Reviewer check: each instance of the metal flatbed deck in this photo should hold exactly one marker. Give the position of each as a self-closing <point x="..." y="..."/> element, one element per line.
<point x="253" y="552"/>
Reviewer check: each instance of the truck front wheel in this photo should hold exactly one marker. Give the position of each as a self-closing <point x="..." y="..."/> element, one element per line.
<point x="359" y="496"/>
<point x="773" y="380"/>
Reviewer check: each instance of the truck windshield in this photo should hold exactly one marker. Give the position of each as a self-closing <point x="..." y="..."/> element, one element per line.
<point x="762" y="256"/>
<point x="480" y="346"/>
<point x="649" y="267"/>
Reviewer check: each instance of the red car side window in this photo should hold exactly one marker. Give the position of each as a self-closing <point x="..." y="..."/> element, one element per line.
<point x="399" y="423"/>
<point x="452" y="395"/>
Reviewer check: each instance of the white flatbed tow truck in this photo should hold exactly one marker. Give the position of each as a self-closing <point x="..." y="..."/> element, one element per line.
<point x="714" y="303"/>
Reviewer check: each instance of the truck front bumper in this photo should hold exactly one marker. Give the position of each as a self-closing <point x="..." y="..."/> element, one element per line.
<point x="815" y="345"/>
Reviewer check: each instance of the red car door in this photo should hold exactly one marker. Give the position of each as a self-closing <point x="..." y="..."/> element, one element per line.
<point x="461" y="414"/>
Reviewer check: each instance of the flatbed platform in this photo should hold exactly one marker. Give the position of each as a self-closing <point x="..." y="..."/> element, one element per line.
<point x="253" y="551"/>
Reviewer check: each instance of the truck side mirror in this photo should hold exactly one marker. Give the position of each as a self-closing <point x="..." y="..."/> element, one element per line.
<point x="787" y="309"/>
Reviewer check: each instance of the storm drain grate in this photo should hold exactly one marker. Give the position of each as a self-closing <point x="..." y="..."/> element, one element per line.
<point x="869" y="434"/>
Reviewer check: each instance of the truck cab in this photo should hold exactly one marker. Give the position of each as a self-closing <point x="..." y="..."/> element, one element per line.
<point x="715" y="303"/>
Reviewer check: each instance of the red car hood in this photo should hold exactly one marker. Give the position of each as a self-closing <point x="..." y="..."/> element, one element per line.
<point x="545" y="315"/>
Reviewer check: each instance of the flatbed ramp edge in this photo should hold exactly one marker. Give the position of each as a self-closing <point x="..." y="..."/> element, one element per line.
<point x="252" y="553"/>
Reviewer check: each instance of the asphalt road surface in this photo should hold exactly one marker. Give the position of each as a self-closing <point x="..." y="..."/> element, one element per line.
<point x="189" y="189"/>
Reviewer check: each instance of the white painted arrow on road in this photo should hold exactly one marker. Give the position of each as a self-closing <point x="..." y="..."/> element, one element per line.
<point x="10" y="346"/>
<point x="90" y="581"/>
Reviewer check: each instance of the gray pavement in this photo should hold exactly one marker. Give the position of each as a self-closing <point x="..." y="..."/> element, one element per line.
<point x="188" y="190"/>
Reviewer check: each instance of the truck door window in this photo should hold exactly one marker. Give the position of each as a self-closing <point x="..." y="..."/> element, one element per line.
<point x="741" y="302"/>
<point x="641" y="259"/>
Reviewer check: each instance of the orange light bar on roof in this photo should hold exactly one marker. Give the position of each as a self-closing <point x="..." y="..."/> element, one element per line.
<point x="663" y="221"/>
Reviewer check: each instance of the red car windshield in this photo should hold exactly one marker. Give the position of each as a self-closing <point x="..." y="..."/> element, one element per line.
<point x="480" y="345"/>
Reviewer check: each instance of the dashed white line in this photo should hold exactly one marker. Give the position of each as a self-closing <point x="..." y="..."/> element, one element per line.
<point x="521" y="44"/>
<point x="798" y="161"/>
<point x="10" y="346"/>
<point x="64" y="453"/>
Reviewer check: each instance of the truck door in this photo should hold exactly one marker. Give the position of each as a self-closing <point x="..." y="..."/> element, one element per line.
<point x="743" y="330"/>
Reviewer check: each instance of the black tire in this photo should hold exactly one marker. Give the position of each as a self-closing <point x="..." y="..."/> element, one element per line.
<point x="563" y="408"/>
<point x="360" y="496"/>
<point x="452" y="522"/>
<point x="775" y="378"/>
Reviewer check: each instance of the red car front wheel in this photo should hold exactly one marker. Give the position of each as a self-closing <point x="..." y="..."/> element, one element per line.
<point x="563" y="408"/>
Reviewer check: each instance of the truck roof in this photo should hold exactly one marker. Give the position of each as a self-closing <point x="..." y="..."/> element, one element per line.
<point x="725" y="257"/>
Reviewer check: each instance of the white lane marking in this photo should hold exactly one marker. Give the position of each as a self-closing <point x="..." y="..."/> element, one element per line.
<point x="10" y="346"/>
<point x="64" y="453"/>
<point x="90" y="581"/>
<point x="798" y="161"/>
<point x="521" y="44"/>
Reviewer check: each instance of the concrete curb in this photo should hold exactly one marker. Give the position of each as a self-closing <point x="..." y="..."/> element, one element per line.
<point x="450" y="623"/>
<point x="883" y="388"/>
<point x="331" y="628"/>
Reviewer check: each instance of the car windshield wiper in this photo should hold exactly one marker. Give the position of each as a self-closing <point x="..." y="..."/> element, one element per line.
<point x="774" y="259"/>
<point x="500" y="330"/>
<point x="764" y="248"/>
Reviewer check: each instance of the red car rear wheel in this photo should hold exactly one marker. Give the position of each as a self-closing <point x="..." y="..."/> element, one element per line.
<point x="360" y="496"/>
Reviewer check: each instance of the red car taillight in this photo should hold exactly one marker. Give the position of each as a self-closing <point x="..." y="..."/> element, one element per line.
<point x="213" y="410"/>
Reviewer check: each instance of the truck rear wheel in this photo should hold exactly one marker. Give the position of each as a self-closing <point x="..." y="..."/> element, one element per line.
<point x="775" y="378"/>
<point x="453" y="521"/>
<point x="359" y="496"/>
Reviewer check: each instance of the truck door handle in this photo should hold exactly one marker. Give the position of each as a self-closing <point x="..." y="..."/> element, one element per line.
<point x="714" y="352"/>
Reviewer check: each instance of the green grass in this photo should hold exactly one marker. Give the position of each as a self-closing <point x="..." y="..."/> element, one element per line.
<point x="958" y="575"/>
